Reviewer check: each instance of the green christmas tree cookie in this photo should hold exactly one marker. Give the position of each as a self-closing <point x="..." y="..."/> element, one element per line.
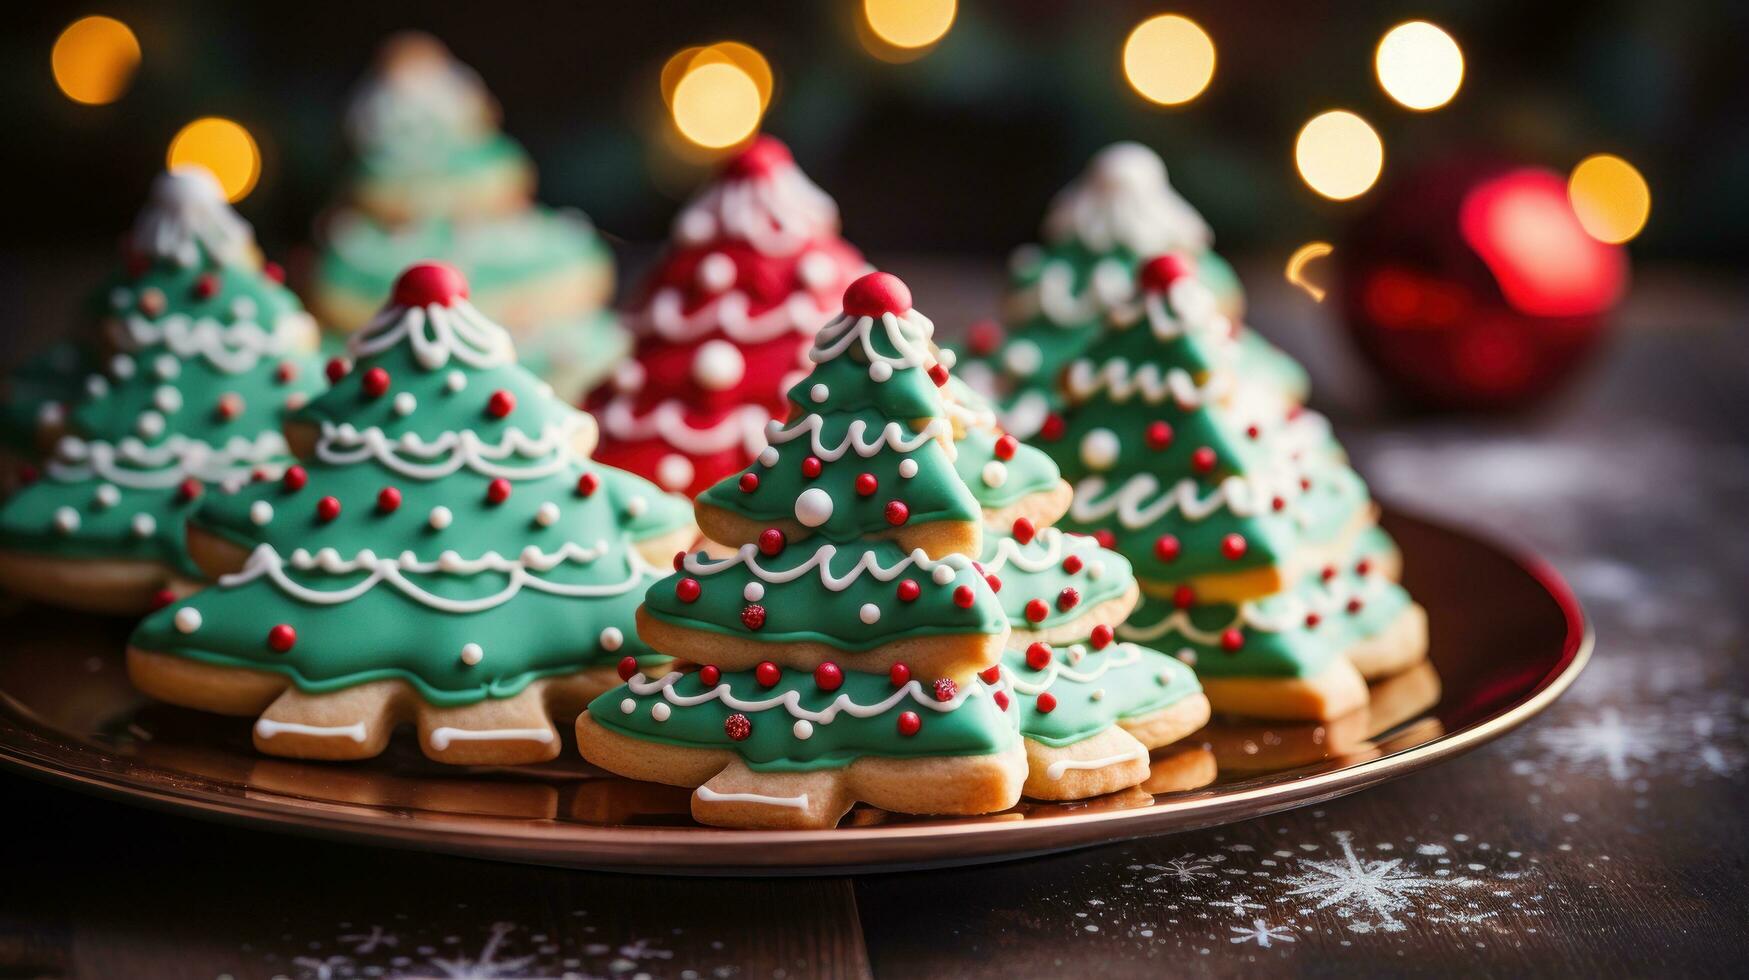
<point x="1066" y="292"/>
<point x="200" y="350"/>
<point x="445" y="553"/>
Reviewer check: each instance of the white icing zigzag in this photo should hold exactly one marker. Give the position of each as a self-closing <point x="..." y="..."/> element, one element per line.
<point x="744" y="427"/>
<point x="413" y="457"/>
<point x="909" y="334"/>
<point x="1289" y="612"/>
<point x="799" y="313"/>
<point x="187" y="212"/>
<point x="131" y="463"/>
<point x="1121" y="655"/>
<point x="265" y="561"/>
<point x="1109" y="287"/>
<point x="777" y="212"/>
<point x="1124" y="200"/>
<point x="1054" y="546"/>
<point x="1140" y="501"/>
<point x="437" y="333"/>
<point x="790" y="701"/>
<point x="821" y="562"/>
<point x="232" y="348"/>
<point x="1083" y="380"/>
<point x="893" y="436"/>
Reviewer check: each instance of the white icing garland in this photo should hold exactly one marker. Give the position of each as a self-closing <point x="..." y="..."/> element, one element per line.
<point x="413" y="457"/>
<point x="437" y="333"/>
<point x="777" y="212"/>
<point x="1289" y="612"/>
<point x="743" y="427"/>
<point x="1083" y="380"/>
<point x="1056" y="545"/>
<point x="909" y="334"/>
<point x="1140" y="502"/>
<point x="790" y="701"/>
<point x="133" y="464"/>
<point x="1124" y="200"/>
<point x="698" y="563"/>
<point x="800" y="313"/>
<point x="231" y="348"/>
<point x="892" y="436"/>
<point x="187" y="213"/>
<point x="1056" y="769"/>
<point x="1121" y="655"/>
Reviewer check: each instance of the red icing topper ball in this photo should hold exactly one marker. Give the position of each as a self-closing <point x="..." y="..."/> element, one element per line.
<point x="877" y="293"/>
<point x="1160" y="272"/>
<point x="430" y="282"/>
<point x="763" y="157"/>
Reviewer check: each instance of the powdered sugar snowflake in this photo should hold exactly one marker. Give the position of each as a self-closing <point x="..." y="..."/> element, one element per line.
<point x="1376" y="889"/>
<point x="1688" y="736"/>
<point x="1261" y="933"/>
<point x="1186" y="870"/>
<point x="486" y="964"/>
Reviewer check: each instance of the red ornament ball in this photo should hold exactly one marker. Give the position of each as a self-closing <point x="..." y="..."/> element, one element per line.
<point x="1047" y="703"/>
<point x="964" y="597"/>
<point x="909" y="590"/>
<point x="327" y="509"/>
<point x="207" y="286"/>
<point x="498" y="491"/>
<point x="1184" y="597"/>
<point x="388" y="500"/>
<point x="294" y="479"/>
<point x="899" y="675"/>
<point x="749" y="482"/>
<point x="281" y="638"/>
<point x="1037" y="610"/>
<point x="866" y="484"/>
<point x="897" y="512"/>
<point x="1038" y="656"/>
<point x="909" y="723"/>
<point x="753" y="615"/>
<point x="1073" y="564"/>
<point x="1203" y="460"/>
<point x="1234" y="546"/>
<point x="1232" y="640"/>
<point x="812" y="466"/>
<point x="1005" y="447"/>
<point x="336" y="369"/>
<point x="737" y="727"/>
<point x="709" y="675"/>
<point x="1102" y="636"/>
<point x="944" y="689"/>
<point x="375" y="382"/>
<point x="1023" y="530"/>
<point x="1159" y="273"/>
<point x="877" y="293"/>
<point x="501" y="403"/>
<point x="430" y="282"/>
<point x="162" y="598"/>
<point x="587" y="484"/>
<point x="1053" y="428"/>
<point x="767" y="673"/>
<point x="762" y="157"/>
<point x="1158" y="435"/>
<point x="828" y="676"/>
<point x="771" y="541"/>
<point x="991" y="675"/>
<point x="687" y="590"/>
<point x="1166" y="547"/>
<point x="628" y="668"/>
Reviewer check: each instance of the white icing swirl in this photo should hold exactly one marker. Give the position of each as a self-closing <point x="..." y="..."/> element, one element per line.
<point x="436" y="333"/>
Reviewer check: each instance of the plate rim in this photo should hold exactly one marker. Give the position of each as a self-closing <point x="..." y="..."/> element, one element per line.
<point x="879" y="848"/>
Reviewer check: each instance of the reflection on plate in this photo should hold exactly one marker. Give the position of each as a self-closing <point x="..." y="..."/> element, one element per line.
<point x="1507" y="638"/>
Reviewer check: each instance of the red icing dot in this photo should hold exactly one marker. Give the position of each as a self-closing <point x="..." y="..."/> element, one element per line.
<point x="1158" y="435"/>
<point x="909" y="723"/>
<point x="1312" y="620"/>
<point x="753" y="615"/>
<point x="1184" y="597"/>
<point x="336" y="369"/>
<point x="1006" y="446"/>
<point x="1023" y="530"/>
<point x="687" y="590"/>
<point x="1038" y="656"/>
<point x="206" y="287"/>
<point x="1203" y="460"/>
<point x="1102" y="636"/>
<point x="944" y="689"/>
<point x="28" y="473"/>
<point x="909" y="590"/>
<point x="1354" y="606"/>
<point x="189" y="489"/>
<point x="1166" y="547"/>
<point x="1251" y="432"/>
<point x="1036" y="610"/>
<point x="587" y="484"/>
<point x="1072" y="564"/>
<point x="897" y="512"/>
<point x="430" y="282"/>
<point x="1328" y="573"/>
<point x="498" y="491"/>
<point x="938" y="374"/>
<point x="375" y="382"/>
<point x="771" y="541"/>
<point x="709" y="675"/>
<point x="828" y="676"/>
<point x="1276" y="503"/>
<point x="230" y="405"/>
<point x="866" y="484"/>
<point x="1233" y="546"/>
<point x="1105" y="538"/>
<point x="273" y="271"/>
<point x="281" y="638"/>
<point x="1068" y="599"/>
<point x="286" y="371"/>
<point x="679" y="559"/>
<point x="388" y="500"/>
<point x="877" y="293"/>
<point x="994" y="582"/>
<point x="767" y="673"/>
<point x="737" y="727"/>
<point x="812" y="466"/>
<point x="992" y="675"/>
<point x="899" y="675"/>
<point x="984" y="337"/>
<point x="1053" y="427"/>
<point x="294" y="479"/>
<point x="1232" y="640"/>
<point x="1001" y="699"/>
<point x="162" y="598"/>
<point x="963" y="597"/>
<point x="628" y="668"/>
<point x="749" y="482"/>
<point x="1362" y="567"/>
<point x="327" y="509"/>
<point x="501" y="403"/>
<point x="1160" y="272"/>
<point x="1047" y="703"/>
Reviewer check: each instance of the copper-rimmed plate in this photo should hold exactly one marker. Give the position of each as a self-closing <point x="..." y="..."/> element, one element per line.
<point x="1507" y="639"/>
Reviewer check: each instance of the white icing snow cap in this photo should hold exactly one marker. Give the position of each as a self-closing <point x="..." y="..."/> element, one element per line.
<point x="429" y="310"/>
<point x="187" y="212"/>
<point x="1124" y="199"/>
<point x="762" y="198"/>
<point x="419" y="94"/>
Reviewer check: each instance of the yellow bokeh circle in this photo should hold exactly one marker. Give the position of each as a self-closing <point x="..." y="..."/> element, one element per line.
<point x="1169" y="59"/>
<point x="94" y="60"/>
<point x="1339" y="155"/>
<point x="1419" y="65"/>
<point x="222" y="147"/>
<point x="716" y="104"/>
<point x="909" y="23"/>
<point x="1610" y="198"/>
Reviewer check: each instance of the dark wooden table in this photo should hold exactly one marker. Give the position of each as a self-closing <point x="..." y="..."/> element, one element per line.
<point x="1607" y="838"/>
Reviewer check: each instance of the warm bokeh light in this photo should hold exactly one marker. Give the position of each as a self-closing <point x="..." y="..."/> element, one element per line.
<point x="716" y="104"/>
<point x="94" y="60"/>
<point x="223" y="147"/>
<point x="1339" y="155"/>
<point x="1169" y="59"/>
<point x="1610" y="198"/>
<point x="909" y="23"/>
<point x="1296" y="268"/>
<point x="1419" y="65"/>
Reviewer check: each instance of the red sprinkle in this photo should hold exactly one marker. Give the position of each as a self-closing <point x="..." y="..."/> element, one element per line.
<point x="1158" y="435"/>
<point x="749" y="482"/>
<point x="1251" y="432"/>
<point x="737" y="727"/>
<point x="1053" y="427"/>
<point x="375" y="382"/>
<point x="828" y="676"/>
<point x="1038" y="656"/>
<point x="709" y="675"/>
<point x="273" y="271"/>
<point x="336" y="369"/>
<point x="909" y="590"/>
<point x="866" y="484"/>
<point x="294" y="479"/>
<point x="1047" y="703"/>
<point x="498" y="491"/>
<point x="753" y="615"/>
<point x="1072" y="564"/>
<point x="1102" y="636"/>
<point x="587" y="484"/>
<point x="1068" y="599"/>
<point x="897" y="512"/>
<point x="1312" y="620"/>
<point x="909" y="723"/>
<point x="944" y="689"/>
<point x="1006" y="446"/>
<point x="992" y="675"/>
<point x="327" y="509"/>
<point x="628" y="668"/>
<point x="501" y="403"/>
<point x="286" y="371"/>
<point x="162" y="598"/>
<point x="1184" y="597"/>
<point x="899" y="675"/>
<point x="1328" y="573"/>
<point x="1023" y="530"/>
<point x="994" y="582"/>
<point x="771" y="541"/>
<point x="687" y="590"/>
<point x="1203" y="460"/>
<point x="1354" y="606"/>
<point x="1001" y="699"/>
<point x="1036" y="610"/>
<point x="1105" y="538"/>
<point x="1232" y="640"/>
<point x="1362" y="567"/>
<point x="1166" y="547"/>
<point x="281" y="638"/>
<point x="938" y="374"/>
<point x="984" y="337"/>
<point x="812" y="466"/>
<point x="963" y="597"/>
<point x="767" y="674"/>
<point x="206" y="287"/>
<point x="388" y="500"/>
<point x="1233" y="546"/>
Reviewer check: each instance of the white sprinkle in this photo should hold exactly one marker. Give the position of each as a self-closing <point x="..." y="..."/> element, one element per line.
<point x="455" y="381"/>
<point x="51" y="414"/>
<point x="880" y="371"/>
<point x="243" y="308"/>
<point x="440" y="517"/>
<point x="813" y="507"/>
<point x="107" y="495"/>
<point x="405" y="403"/>
<point x="660" y="711"/>
<point x="716" y="272"/>
<point x="612" y="639"/>
<point x="768" y="456"/>
<point x="907" y="468"/>
<point x="1099" y="449"/>
<point x="803" y="729"/>
<point x="1098" y="694"/>
<point x="628" y="706"/>
<point x="674" y="472"/>
<point x="472" y="654"/>
<point x="66" y="520"/>
<point x="296" y="400"/>
<point x="995" y="473"/>
<point x="942" y="575"/>
<point x="150" y="424"/>
<point x="97" y="385"/>
<point x="1096" y="570"/>
<point x="144" y="525"/>
<point x="261" y="512"/>
<point x="753" y="592"/>
<point x="819" y="393"/>
<point x="870" y="613"/>
<point x="1022" y="357"/>
<point x="122" y="366"/>
<point x="547" y="514"/>
<point x="1186" y="656"/>
<point x="167" y="399"/>
<point x="166" y="367"/>
<point x="187" y="619"/>
<point x="636" y="506"/>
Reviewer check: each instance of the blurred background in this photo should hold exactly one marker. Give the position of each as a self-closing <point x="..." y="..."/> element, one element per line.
<point x="940" y="127"/>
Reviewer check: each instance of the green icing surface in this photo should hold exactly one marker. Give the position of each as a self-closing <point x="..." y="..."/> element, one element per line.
<point x="53" y="375"/>
<point x="976" y="726"/>
<point x="1094" y="692"/>
<point x="806" y="608"/>
<point x="364" y="256"/>
<point x="104" y="532"/>
<point x="1035" y="571"/>
<point x="441" y="159"/>
<point x="384" y="634"/>
<point x="1029" y="471"/>
<point x="1298" y="650"/>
